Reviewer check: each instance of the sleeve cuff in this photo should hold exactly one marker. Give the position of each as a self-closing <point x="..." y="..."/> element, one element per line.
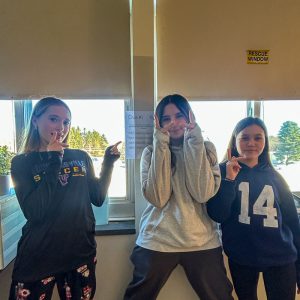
<point x="230" y="180"/>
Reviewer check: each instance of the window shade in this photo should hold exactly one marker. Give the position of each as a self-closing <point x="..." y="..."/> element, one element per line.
<point x="201" y="48"/>
<point x="67" y="48"/>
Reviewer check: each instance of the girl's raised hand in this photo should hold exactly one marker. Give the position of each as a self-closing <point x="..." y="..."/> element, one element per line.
<point x="55" y="143"/>
<point x="112" y="153"/>
<point x="114" y="149"/>
<point x="232" y="166"/>
<point x="191" y="125"/>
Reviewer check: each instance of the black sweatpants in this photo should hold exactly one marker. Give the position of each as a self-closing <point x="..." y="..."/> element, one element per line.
<point x="204" y="269"/>
<point x="78" y="284"/>
<point x="280" y="282"/>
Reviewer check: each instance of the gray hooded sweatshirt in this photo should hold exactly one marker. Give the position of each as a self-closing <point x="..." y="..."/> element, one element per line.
<point x="176" y="219"/>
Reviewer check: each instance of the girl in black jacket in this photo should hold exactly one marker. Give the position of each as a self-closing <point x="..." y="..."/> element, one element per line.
<point x="55" y="187"/>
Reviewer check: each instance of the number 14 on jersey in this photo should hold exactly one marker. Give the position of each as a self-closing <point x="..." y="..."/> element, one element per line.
<point x="259" y="208"/>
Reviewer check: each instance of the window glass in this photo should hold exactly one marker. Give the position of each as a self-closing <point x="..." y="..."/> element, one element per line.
<point x="7" y="136"/>
<point x="7" y="133"/>
<point x="282" y="119"/>
<point x="217" y="120"/>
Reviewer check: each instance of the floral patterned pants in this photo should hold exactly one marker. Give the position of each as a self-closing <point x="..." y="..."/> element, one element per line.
<point x="78" y="284"/>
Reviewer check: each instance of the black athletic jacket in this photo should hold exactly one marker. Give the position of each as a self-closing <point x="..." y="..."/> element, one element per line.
<point x="55" y="194"/>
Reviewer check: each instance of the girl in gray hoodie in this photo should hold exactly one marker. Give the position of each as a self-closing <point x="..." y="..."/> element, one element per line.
<point x="179" y="174"/>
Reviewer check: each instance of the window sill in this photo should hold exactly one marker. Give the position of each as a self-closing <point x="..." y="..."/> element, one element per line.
<point x="116" y="228"/>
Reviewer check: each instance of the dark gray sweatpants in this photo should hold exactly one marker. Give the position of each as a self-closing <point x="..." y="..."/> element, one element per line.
<point x="204" y="269"/>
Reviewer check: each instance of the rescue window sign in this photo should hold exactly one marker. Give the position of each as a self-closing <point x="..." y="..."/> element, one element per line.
<point x="258" y="56"/>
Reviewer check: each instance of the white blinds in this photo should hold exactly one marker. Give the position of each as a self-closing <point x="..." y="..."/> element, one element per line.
<point x="201" y="48"/>
<point x="66" y="48"/>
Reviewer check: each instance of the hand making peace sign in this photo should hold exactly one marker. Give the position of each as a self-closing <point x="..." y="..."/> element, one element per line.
<point x="191" y="125"/>
<point x="232" y="166"/>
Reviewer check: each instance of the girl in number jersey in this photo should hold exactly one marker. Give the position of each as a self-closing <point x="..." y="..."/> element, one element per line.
<point x="259" y="221"/>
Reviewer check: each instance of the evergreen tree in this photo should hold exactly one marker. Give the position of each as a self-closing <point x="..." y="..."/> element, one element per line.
<point x="95" y="143"/>
<point x="288" y="149"/>
<point x="75" y="138"/>
<point x="91" y="141"/>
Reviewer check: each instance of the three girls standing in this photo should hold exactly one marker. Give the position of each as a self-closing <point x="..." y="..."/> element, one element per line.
<point x="55" y="187"/>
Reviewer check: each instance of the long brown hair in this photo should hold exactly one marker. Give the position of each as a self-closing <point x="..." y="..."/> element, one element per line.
<point x="32" y="140"/>
<point x="241" y="125"/>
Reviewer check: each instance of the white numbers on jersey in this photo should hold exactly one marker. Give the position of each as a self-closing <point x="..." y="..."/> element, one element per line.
<point x="266" y="196"/>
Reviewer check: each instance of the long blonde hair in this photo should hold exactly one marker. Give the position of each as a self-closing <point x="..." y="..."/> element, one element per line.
<point x="32" y="140"/>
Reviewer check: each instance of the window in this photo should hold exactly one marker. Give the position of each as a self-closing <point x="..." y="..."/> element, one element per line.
<point x="7" y="125"/>
<point x="217" y="120"/>
<point x="105" y="117"/>
<point x="282" y="119"/>
<point x="100" y="123"/>
<point x="7" y="135"/>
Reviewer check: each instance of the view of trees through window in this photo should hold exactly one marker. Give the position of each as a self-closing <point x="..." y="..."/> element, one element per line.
<point x="286" y="145"/>
<point x="99" y="123"/>
<point x="91" y="141"/>
<point x="217" y="120"/>
<point x="7" y="132"/>
<point x="282" y="119"/>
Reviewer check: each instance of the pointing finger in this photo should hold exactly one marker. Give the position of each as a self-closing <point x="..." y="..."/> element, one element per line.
<point x="117" y="144"/>
<point x="229" y="154"/>
<point x="191" y="117"/>
<point x="115" y="147"/>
